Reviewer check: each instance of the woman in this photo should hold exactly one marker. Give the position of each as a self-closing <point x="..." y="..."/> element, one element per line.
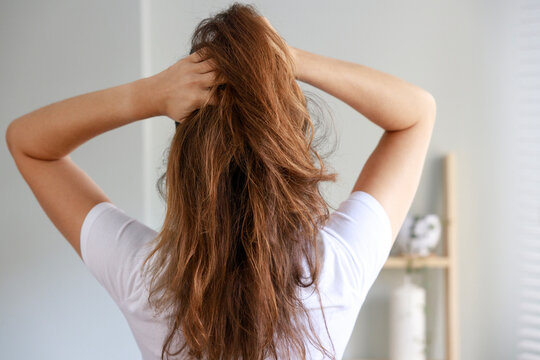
<point x="249" y="263"/>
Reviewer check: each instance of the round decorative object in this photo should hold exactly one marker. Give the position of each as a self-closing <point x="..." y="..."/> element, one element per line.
<point x="419" y="234"/>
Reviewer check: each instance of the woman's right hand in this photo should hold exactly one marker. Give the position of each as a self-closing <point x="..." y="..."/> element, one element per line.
<point x="292" y="50"/>
<point x="186" y="86"/>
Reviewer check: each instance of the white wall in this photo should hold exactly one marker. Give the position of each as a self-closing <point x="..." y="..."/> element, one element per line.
<point x="51" y="306"/>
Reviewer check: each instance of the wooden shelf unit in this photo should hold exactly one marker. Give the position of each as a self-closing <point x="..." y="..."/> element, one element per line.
<point x="431" y="261"/>
<point x="446" y="262"/>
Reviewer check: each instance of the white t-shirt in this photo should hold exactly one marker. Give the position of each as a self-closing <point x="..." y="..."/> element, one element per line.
<point x="357" y="242"/>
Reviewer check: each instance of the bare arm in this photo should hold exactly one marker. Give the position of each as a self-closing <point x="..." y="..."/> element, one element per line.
<point x="406" y="113"/>
<point x="41" y="141"/>
<point x="384" y="99"/>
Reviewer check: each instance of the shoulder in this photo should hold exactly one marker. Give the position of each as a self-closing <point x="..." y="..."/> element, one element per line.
<point x="356" y="241"/>
<point x="113" y="247"/>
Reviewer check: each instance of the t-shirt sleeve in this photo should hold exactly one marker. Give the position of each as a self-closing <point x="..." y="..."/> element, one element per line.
<point x="362" y="232"/>
<point x="111" y="243"/>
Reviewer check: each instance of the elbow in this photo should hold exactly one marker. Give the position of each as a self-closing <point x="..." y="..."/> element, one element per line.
<point x="430" y="106"/>
<point x="12" y="138"/>
<point x="9" y="137"/>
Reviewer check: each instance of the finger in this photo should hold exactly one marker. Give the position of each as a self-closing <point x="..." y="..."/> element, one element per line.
<point x="208" y="79"/>
<point x="268" y="23"/>
<point x="193" y="57"/>
<point x="198" y="55"/>
<point x="206" y="66"/>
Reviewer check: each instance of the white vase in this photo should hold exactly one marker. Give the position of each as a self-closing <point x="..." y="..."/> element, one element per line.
<point x="408" y="322"/>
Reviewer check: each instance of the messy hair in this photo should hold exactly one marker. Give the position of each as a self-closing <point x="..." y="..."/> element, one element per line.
<point x="240" y="240"/>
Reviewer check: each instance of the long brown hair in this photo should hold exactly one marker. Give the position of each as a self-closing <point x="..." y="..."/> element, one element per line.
<point x="243" y="204"/>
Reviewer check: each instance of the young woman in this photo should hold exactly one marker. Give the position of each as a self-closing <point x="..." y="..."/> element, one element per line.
<point x="249" y="264"/>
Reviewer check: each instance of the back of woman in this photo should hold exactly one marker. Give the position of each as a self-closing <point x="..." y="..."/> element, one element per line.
<point x="249" y="262"/>
<point x="354" y="244"/>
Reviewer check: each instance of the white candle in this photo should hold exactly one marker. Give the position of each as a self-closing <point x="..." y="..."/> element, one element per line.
<point x="408" y="322"/>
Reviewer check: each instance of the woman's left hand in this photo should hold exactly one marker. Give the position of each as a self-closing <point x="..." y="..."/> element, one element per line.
<point x="186" y="86"/>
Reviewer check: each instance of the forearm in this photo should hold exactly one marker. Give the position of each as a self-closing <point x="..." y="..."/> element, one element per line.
<point x="386" y="100"/>
<point x="53" y="131"/>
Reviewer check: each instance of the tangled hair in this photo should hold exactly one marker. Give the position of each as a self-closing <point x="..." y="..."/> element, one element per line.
<point x="243" y="205"/>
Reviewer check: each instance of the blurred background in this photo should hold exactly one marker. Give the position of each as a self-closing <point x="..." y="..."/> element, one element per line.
<point x="480" y="60"/>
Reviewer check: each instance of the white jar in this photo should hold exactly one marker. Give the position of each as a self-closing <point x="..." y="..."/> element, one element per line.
<point x="408" y="322"/>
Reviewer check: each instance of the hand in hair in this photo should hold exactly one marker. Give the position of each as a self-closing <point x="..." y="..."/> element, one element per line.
<point x="186" y="86"/>
<point x="291" y="49"/>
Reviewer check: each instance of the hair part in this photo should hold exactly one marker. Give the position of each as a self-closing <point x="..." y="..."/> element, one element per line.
<point x="244" y="207"/>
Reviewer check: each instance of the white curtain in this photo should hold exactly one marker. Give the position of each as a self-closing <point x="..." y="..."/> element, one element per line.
<point x="527" y="78"/>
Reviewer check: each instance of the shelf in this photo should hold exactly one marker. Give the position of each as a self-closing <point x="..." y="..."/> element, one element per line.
<point x="446" y="262"/>
<point x="431" y="261"/>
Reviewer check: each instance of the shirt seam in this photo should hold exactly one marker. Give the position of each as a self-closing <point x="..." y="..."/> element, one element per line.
<point x="376" y="208"/>
<point x="95" y="212"/>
